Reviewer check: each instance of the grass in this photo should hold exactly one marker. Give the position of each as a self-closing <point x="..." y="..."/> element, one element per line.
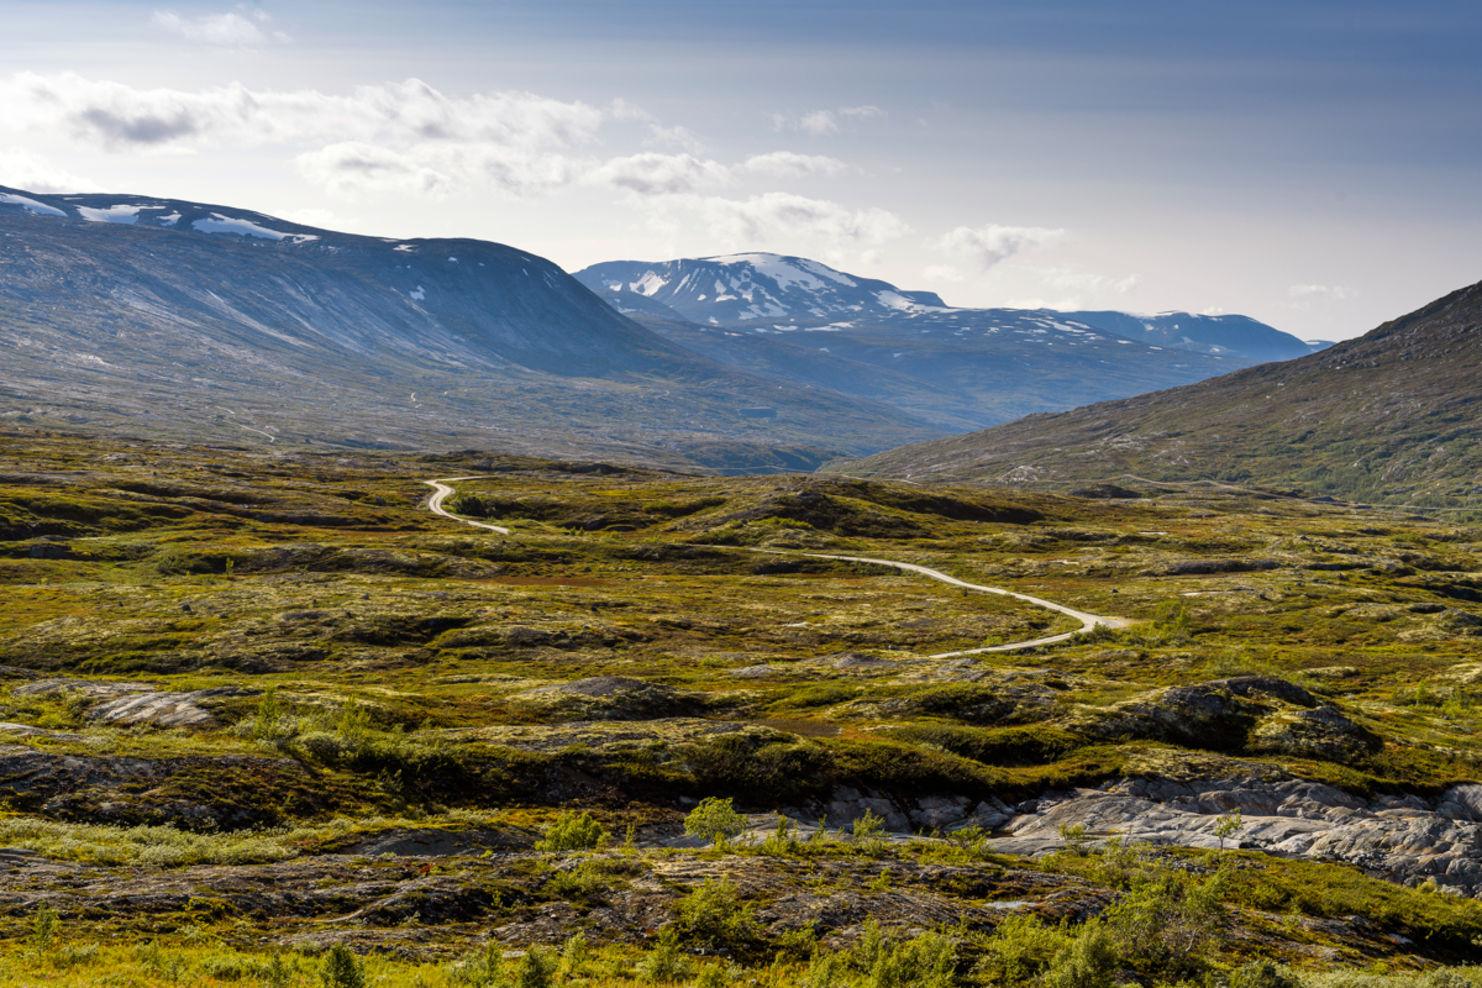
<point x="411" y="681"/>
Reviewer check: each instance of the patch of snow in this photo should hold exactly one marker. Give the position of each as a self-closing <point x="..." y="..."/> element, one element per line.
<point x="405" y="248"/>
<point x="782" y="271"/>
<point x="30" y="205"/>
<point x="418" y="294"/>
<point x="119" y="213"/>
<point x="897" y="301"/>
<point x="170" y="219"/>
<point x="218" y="223"/>
<point x="649" y="284"/>
<point x="824" y="271"/>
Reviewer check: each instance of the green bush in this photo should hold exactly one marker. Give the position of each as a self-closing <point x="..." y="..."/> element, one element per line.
<point x="572" y="831"/>
<point x="1087" y="961"/>
<point x="536" y="969"/>
<point x="714" y="820"/>
<point x="1020" y="950"/>
<point x="1265" y="974"/>
<point x="927" y="961"/>
<point x="342" y="969"/>
<point x="1165" y="926"/>
<point x="666" y="962"/>
<point x="713" y="917"/>
<point x="869" y="833"/>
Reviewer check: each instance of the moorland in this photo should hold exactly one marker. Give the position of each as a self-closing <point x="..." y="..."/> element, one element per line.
<point x="268" y="720"/>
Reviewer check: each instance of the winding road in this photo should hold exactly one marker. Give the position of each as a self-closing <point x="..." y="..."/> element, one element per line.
<point x="442" y="489"/>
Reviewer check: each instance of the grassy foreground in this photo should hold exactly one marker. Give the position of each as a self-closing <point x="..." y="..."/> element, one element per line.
<point x="264" y="720"/>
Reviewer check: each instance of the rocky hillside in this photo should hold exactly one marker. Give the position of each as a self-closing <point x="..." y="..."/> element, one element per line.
<point x="959" y="368"/>
<point x="200" y="321"/>
<point x="1393" y="415"/>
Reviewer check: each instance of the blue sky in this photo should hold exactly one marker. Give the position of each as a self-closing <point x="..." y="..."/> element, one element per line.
<point x="1315" y="165"/>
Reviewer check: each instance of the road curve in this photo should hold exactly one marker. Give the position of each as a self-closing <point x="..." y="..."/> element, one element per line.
<point x="1088" y="620"/>
<point x="440" y="493"/>
<point x="442" y="490"/>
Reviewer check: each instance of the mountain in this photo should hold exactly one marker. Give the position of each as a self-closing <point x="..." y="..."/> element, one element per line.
<point x="957" y="368"/>
<point x="756" y="289"/>
<point x="137" y="313"/>
<point x="1219" y="334"/>
<point x="1394" y="415"/>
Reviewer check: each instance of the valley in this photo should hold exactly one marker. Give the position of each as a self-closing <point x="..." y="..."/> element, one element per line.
<point x="640" y="726"/>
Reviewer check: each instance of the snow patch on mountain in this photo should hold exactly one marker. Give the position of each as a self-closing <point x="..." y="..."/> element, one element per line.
<point x="218" y="223"/>
<point x="117" y="213"/>
<point x="29" y="205"/>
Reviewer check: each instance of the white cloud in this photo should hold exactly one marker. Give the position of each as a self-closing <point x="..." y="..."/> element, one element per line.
<point x="822" y="123"/>
<point x="394" y="114"/>
<point x="240" y="28"/>
<point x="987" y="246"/>
<point x="1069" y="279"/>
<point x="351" y="168"/>
<point x="791" y="164"/>
<point x="651" y="173"/>
<point x="674" y="137"/>
<point x="942" y="272"/>
<point x="23" y="170"/>
<point x="819" y="122"/>
<point x="1335" y="292"/>
<point x="777" y="221"/>
<point x="312" y="216"/>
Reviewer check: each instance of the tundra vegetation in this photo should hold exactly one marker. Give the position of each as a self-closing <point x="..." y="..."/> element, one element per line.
<point x="268" y="721"/>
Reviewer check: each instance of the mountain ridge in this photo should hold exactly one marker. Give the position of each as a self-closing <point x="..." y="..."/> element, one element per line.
<point x="960" y="369"/>
<point x="1392" y="415"/>
<point x="210" y="321"/>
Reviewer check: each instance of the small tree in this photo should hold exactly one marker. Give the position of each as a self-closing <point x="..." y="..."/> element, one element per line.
<point x="1076" y="841"/>
<point x="342" y="969"/>
<point x="715" y="820"/>
<point x="46" y="926"/>
<point x="869" y="832"/>
<point x="1227" y="826"/>
<point x="536" y="969"/>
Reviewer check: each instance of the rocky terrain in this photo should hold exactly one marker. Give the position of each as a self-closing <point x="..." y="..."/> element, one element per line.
<point x="266" y="718"/>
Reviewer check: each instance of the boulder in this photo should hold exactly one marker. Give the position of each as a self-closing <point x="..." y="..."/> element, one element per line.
<point x="1322" y="732"/>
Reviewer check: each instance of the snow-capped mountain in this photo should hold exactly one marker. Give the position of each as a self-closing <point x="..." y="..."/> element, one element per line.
<point x="961" y="368"/>
<point x="206" y="321"/>
<point x="772" y="293"/>
<point x="755" y="290"/>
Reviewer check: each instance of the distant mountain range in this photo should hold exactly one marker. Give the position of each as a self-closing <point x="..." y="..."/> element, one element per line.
<point x="160" y="316"/>
<point x="1395" y="415"/>
<point x="959" y="368"/>
<point x="167" y="317"/>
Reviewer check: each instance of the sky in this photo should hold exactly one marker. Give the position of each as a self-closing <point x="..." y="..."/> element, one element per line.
<point x="1316" y="165"/>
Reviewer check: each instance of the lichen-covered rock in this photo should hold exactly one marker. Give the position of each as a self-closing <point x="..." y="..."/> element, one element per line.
<point x="608" y="698"/>
<point x="1322" y="732"/>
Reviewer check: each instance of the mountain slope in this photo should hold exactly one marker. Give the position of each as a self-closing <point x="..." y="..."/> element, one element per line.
<point x="958" y="368"/>
<point x="129" y="312"/>
<point x="1393" y="415"/>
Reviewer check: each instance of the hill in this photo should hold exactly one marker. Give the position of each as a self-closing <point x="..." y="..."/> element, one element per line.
<point x="958" y="368"/>
<point x="1390" y="416"/>
<point x="167" y="317"/>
